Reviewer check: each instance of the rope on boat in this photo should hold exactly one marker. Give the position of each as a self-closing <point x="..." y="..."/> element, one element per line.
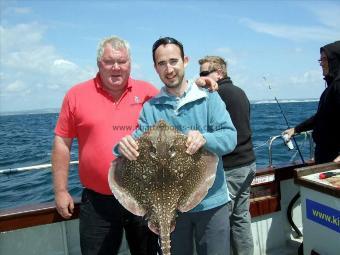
<point x="29" y="168"/>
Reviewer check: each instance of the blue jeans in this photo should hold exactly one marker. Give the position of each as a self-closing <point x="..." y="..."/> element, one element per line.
<point x="209" y="229"/>
<point x="239" y="181"/>
<point x="101" y="223"/>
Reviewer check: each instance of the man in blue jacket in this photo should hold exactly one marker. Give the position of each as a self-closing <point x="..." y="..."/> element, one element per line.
<point x="184" y="106"/>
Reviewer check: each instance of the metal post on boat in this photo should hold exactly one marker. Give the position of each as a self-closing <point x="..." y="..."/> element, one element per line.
<point x="310" y="144"/>
<point x="270" y="157"/>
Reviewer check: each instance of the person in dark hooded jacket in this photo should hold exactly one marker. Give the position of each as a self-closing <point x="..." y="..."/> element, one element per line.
<point x="326" y="122"/>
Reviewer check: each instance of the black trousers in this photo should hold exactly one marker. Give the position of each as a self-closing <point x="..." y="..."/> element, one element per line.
<point x="101" y="223"/>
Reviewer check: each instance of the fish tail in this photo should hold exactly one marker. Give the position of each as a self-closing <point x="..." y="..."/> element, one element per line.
<point x="165" y="238"/>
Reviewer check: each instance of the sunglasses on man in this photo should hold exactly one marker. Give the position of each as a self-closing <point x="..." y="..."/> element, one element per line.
<point x="206" y="73"/>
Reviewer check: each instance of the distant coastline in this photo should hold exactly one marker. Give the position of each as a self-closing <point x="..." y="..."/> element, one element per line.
<point x="35" y="111"/>
<point x="272" y="101"/>
<point x="261" y="101"/>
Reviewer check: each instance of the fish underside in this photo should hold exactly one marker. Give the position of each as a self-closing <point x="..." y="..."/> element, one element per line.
<point x="163" y="180"/>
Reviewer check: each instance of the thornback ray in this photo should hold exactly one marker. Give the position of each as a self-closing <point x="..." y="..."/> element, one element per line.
<point x="163" y="180"/>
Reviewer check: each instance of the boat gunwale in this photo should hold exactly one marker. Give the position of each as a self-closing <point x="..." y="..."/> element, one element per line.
<point x="318" y="186"/>
<point x="33" y="215"/>
<point x="46" y="213"/>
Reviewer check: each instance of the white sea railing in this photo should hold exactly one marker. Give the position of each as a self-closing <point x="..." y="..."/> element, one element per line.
<point x="307" y="135"/>
<point x="269" y="143"/>
<point x="29" y="168"/>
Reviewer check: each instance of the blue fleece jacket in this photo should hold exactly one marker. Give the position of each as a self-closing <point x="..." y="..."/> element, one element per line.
<point x="196" y="109"/>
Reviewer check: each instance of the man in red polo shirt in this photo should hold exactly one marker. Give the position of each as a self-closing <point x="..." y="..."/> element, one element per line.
<point x="99" y="112"/>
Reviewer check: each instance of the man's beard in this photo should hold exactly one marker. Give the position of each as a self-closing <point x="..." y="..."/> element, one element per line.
<point x="177" y="84"/>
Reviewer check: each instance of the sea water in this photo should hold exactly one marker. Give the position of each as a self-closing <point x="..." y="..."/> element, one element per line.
<point x="26" y="140"/>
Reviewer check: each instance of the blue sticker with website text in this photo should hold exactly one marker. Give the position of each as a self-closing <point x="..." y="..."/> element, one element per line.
<point x="324" y="215"/>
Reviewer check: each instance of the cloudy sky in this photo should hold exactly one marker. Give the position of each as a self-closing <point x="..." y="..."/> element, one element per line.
<point x="48" y="46"/>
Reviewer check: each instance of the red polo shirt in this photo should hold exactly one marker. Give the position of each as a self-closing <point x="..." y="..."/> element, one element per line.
<point x="90" y="114"/>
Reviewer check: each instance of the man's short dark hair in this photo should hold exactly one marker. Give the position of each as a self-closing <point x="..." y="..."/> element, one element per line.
<point x="165" y="41"/>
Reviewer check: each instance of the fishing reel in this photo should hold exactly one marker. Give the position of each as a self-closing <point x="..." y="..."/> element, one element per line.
<point x="288" y="142"/>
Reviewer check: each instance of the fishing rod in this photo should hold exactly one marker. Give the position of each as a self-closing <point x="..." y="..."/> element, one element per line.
<point x="297" y="195"/>
<point x="286" y="120"/>
<point x="28" y="168"/>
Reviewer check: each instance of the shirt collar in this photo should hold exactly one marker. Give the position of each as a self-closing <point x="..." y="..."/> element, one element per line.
<point x="99" y="84"/>
<point x="192" y="93"/>
<point x="224" y="80"/>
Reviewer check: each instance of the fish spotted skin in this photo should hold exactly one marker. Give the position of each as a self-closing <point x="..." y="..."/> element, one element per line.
<point x="163" y="180"/>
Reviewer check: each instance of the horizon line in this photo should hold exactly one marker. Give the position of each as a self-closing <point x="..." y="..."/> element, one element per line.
<point x="57" y="110"/>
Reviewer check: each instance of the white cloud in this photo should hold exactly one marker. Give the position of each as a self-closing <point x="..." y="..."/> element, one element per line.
<point x="21" y="36"/>
<point x="35" y="59"/>
<point x="53" y="86"/>
<point x="22" y="10"/>
<point x="326" y="13"/>
<point x="232" y="57"/>
<point x="25" y="54"/>
<point x="33" y="68"/>
<point x="17" y="86"/>
<point x="304" y="84"/>
<point x="64" y="65"/>
<point x="293" y="32"/>
<point x="8" y="9"/>
<point x="308" y="77"/>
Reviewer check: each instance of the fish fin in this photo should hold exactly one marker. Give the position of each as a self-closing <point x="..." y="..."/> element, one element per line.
<point x="121" y="194"/>
<point x="209" y="174"/>
<point x="153" y="228"/>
